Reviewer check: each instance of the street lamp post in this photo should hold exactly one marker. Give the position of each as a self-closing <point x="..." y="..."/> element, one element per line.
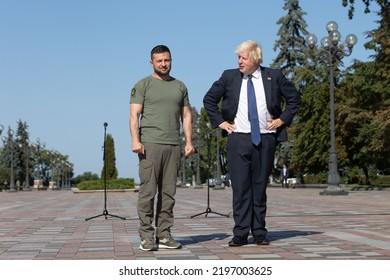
<point x="27" y="185"/>
<point x="62" y="183"/>
<point x="53" y="172"/>
<point x="38" y="181"/>
<point x="67" y="174"/>
<point x="331" y="52"/>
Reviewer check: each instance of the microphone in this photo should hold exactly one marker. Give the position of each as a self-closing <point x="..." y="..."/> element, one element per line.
<point x="105" y="124"/>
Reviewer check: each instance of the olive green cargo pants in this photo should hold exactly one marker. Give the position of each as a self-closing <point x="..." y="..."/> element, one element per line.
<point x="158" y="168"/>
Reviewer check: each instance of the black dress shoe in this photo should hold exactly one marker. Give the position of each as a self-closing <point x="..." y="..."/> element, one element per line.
<point x="237" y="241"/>
<point x="260" y="241"/>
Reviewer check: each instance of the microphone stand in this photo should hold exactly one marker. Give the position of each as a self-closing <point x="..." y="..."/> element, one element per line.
<point x="208" y="209"/>
<point x="105" y="211"/>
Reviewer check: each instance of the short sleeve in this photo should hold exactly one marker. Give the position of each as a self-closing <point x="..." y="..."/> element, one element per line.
<point x="136" y="95"/>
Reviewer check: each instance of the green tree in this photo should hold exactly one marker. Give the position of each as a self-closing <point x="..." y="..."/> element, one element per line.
<point x="351" y="4"/>
<point x="189" y="163"/>
<point x="208" y="149"/>
<point x="51" y="165"/>
<point x="380" y="44"/>
<point x="361" y="105"/>
<point x="29" y="157"/>
<point x="292" y="56"/>
<point x="311" y="146"/>
<point x="22" y="151"/>
<point x="5" y="159"/>
<point x="203" y="124"/>
<point x="58" y="166"/>
<point x="6" y="151"/>
<point x="291" y="42"/>
<point x="109" y="166"/>
<point x="312" y="132"/>
<point x="86" y="176"/>
<point x="366" y="106"/>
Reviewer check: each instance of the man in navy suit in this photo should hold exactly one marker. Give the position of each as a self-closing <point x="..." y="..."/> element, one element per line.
<point x="252" y="117"/>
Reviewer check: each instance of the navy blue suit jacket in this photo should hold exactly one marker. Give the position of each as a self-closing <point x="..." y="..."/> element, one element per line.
<point x="228" y="88"/>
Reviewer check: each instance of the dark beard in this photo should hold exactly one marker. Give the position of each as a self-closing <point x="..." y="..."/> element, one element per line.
<point x="161" y="74"/>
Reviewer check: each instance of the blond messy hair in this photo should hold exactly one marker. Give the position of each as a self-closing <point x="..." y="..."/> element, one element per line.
<point x="253" y="48"/>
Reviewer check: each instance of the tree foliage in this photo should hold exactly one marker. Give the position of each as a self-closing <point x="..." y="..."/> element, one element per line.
<point x="109" y="170"/>
<point x="311" y="133"/>
<point x="366" y="106"/>
<point x="86" y="176"/>
<point x="291" y="42"/>
<point x="32" y="159"/>
<point x="351" y="4"/>
<point x="22" y="151"/>
<point x="293" y="55"/>
<point x="362" y="99"/>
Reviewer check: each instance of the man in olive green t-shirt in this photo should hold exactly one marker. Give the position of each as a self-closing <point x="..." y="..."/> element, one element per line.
<point x="157" y="104"/>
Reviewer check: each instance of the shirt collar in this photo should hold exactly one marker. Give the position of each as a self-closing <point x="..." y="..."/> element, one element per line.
<point x="256" y="74"/>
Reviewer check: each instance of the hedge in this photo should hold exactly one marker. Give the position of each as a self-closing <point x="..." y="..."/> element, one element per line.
<point x="111" y="184"/>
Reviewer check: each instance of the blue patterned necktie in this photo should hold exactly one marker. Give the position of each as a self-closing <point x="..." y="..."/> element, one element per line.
<point x="252" y="112"/>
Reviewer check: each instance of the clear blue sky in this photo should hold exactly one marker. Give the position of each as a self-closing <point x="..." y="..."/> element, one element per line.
<point x="66" y="67"/>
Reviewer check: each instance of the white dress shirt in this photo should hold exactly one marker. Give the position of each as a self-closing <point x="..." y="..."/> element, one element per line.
<point x="241" y="121"/>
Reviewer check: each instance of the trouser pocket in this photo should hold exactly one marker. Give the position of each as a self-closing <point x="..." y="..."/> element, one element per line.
<point x="145" y="171"/>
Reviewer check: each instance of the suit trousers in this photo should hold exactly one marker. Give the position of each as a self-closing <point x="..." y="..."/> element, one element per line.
<point x="158" y="175"/>
<point x="250" y="167"/>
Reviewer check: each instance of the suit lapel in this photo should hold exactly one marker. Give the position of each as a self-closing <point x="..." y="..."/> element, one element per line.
<point x="237" y="81"/>
<point x="267" y="81"/>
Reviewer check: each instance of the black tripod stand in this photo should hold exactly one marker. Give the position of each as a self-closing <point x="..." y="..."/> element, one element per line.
<point x="105" y="211"/>
<point x="208" y="209"/>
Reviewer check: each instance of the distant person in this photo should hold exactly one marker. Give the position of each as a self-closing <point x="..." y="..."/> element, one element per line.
<point x="157" y="105"/>
<point x="284" y="176"/>
<point x="5" y="184"/>
<point x="252" y="117"/>
<point x="18" y="187"/>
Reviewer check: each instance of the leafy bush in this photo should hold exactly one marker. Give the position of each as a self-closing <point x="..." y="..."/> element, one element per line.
<point x="86" y="176"/>
<point x="315" y="178"/>
<point x="352" y="175"/>
<point x="121" y="183"/>
<point x="381" y="180"/>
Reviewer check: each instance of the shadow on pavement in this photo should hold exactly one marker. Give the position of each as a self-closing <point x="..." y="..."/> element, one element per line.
<point x="278" y="235"/>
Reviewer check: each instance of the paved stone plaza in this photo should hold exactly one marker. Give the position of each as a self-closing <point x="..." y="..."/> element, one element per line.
<point x="302" y="225"/>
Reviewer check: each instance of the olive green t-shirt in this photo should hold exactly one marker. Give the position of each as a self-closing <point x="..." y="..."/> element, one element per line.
<point x="162" y="102"/>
